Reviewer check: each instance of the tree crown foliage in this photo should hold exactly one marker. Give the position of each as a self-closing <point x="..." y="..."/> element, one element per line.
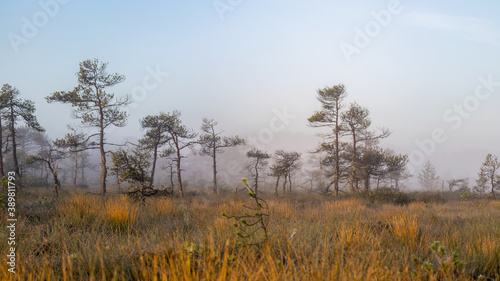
<point x="132" y="167"/>
<point x="92" y="104"/>
<point x="15" y="108"/>
<point x="212" y="142"/>
<point x="428" y="178"/>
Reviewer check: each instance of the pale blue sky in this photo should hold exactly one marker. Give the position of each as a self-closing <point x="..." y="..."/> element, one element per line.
<point x="260" y="56"/>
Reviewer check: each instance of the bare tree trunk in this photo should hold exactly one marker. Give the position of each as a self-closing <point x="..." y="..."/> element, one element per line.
<point x="354" y="181"/>
<point x="75" y="170"/>
<point x="172" y="175"/>
<point x="104" y="169"/>
<point x="46" y="174"/>
<point x="153" y="168"/>
<point x="14" y="146"/>
<point x="179" y="179"/>
<point x="492" y="180"/>
<point x="284" y="184"/>
<point x="337" y="152"/>
<point x="215" y="170"/>
<point x="83" y="174"/>
<point x="57" y="184"/>
<point x="256" y="175"/>
<point x="290" y="182"/>
<point x="178" y="161"/>
<point x="53" y="169"/>
<point x="367" y="182"/>
<point x="276" y="185"/>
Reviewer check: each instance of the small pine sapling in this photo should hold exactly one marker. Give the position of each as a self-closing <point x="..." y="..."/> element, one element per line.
<point x="445" y="263"/>
<point x="252" y="226"/>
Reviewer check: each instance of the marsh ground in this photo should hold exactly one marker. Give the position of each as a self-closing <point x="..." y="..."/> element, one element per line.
<point x="85" y="237"/>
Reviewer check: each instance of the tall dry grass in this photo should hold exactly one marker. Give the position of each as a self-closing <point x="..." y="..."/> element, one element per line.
<point x="86" y="237"/>
<point x="120" y="213"/>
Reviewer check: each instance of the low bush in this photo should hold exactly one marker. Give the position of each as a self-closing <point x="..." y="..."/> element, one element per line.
<point x="385" y="195"/>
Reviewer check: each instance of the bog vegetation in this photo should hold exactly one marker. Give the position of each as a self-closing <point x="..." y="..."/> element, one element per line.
<point x="350" y="220"/>
<point x="309" y="237"/>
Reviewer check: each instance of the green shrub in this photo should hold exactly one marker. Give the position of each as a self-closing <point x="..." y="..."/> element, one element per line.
<point x="385" y="195"/>
<point x="430" y="197"/>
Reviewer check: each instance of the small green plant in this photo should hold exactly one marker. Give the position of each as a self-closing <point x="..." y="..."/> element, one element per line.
<point x="252" y="225"/>
<point x="443" y="259"/>
<point x="445" y="262"/>
<point x="465" y="196"/>
<point x="193" y="249"/>
<point x="371" y="197"/>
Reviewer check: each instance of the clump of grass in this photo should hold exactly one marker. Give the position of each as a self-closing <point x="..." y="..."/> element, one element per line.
<point x="349" y="204"/>
<point x="405" y="228"/>
<point x="120" y="213"/>
<point x="82" y="206"/>
<point x="79" y="211"/>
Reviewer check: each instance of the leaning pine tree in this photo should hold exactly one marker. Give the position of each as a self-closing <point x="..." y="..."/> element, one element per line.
<point x="331" y="100"/>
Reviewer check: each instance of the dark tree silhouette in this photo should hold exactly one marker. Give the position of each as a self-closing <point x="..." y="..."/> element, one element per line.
<point x="331" y="99"/>
<point x="258" y="160"/>
<point x="75" y="142"/>
<point x="212" y="143"/>
<point x="490" y="173"/>
<point x="356" y="122"/>
<point x="15" y="109"/>
<point x="285" y="163"/>
<point x="156" y="136"/>
<point x="181" y="138"/>
<point x="50" y="156"/>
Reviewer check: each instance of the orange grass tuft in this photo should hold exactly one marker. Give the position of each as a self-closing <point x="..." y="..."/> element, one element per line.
<point x="120" y="213"/>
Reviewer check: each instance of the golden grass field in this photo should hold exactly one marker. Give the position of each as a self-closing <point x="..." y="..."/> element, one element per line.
<point x="86" y="237"/>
